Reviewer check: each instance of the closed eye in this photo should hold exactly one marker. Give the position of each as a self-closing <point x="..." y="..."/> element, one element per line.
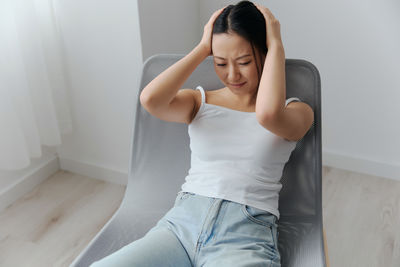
<point x="245" y="63"/>
<point x="221" y="65"/>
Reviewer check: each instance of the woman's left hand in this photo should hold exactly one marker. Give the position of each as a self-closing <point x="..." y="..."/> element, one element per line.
<point x="272" y="25"/>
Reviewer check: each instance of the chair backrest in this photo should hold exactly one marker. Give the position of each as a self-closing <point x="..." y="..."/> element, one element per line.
<point x="160" y="161"/>
<point x="161" y="148"/>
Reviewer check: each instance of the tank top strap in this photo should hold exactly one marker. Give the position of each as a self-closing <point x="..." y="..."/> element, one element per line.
<point x="203" y="94"/>
<point x="292" y="99"/>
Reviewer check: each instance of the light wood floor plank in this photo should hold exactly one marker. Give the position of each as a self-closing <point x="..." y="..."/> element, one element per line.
<point x="361" y="218"/>
<point x="56" y="220"/>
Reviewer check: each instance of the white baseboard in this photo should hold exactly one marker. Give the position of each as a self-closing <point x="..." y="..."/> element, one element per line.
<point x="361" y="165"/>
<point x="16" y="184"/>
<point x="20" y="182"/>
<point x="94" y="171"/>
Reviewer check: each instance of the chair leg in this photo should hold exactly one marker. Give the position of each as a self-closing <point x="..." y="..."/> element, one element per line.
<point x="326" y="249"/>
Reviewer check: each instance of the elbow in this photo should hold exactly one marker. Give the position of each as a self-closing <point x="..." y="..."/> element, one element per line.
<point x="144" y="99"/>
<point x="149" y="103"/>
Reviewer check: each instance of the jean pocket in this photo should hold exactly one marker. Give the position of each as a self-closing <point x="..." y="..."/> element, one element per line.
<point x="264" y="220"/>
<point x="259" y="216"/>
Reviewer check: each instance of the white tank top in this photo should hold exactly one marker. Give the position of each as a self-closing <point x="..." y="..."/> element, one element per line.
<point x="233" y="157"/>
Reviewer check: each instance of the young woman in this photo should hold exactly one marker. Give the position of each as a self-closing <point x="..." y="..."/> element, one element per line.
<point x="241" y="137"/>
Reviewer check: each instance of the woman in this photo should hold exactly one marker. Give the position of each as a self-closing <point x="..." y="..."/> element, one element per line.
<point x="241" y="137"/>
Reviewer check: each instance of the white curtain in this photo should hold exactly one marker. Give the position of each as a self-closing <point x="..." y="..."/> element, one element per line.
<point x="34" y="110"/>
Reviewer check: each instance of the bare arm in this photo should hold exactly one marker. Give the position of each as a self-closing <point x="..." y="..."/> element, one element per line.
<point x="162" y="90"/>
<point x="271" y="94"/>
<point x="293" y="121"/>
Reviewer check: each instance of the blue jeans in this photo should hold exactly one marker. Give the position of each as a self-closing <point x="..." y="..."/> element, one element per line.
<point x="204" y="231"/>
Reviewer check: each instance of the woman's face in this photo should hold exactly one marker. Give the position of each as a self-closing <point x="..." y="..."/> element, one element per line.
<point x="234" y="62"/>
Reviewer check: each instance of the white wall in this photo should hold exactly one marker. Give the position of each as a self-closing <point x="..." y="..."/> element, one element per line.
<point x="169" y="26"/>
<point x="106" y="43"/>
<point x="355" y="46"/>
<point x="104" y="59"/>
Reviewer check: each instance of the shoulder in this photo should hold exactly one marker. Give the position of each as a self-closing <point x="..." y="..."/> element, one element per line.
<point x="197" y="95"/>
<point x="211" y="96"/>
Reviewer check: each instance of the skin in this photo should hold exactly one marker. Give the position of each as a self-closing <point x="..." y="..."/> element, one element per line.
<point x="272" y="90"/>
<point x="235" y="64"/>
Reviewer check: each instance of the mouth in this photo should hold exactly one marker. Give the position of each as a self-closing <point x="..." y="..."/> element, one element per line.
<point x="237" y="85"/>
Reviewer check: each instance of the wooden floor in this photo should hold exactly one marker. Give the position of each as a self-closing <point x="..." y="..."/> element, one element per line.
<point x="50" y="226"/>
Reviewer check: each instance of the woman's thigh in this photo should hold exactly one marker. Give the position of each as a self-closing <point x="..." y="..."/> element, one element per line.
<point x="159" y="247"/>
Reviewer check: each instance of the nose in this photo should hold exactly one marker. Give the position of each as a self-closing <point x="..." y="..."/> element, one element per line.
<point x="233" y="74"/>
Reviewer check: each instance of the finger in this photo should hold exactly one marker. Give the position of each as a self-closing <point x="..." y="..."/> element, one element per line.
<point x="215" y="15"/>
<point x="265" y="11"/>
<point x="219" y="11"/>
<point x="269" y="13"/>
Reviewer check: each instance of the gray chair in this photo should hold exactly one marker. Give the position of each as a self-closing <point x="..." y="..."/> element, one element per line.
<point x="160" y="159"/>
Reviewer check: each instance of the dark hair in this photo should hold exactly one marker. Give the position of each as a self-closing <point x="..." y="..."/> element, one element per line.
<point x="246" y="20"/>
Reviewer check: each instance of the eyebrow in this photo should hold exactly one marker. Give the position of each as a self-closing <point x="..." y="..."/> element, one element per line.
<point x="236" y="58"/>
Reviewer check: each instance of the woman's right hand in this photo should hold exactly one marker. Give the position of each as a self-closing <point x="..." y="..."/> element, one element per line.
<point x="207" y="33"/>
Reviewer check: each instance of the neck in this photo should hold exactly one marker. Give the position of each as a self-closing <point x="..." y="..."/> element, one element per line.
<point x="243" y="99"/>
